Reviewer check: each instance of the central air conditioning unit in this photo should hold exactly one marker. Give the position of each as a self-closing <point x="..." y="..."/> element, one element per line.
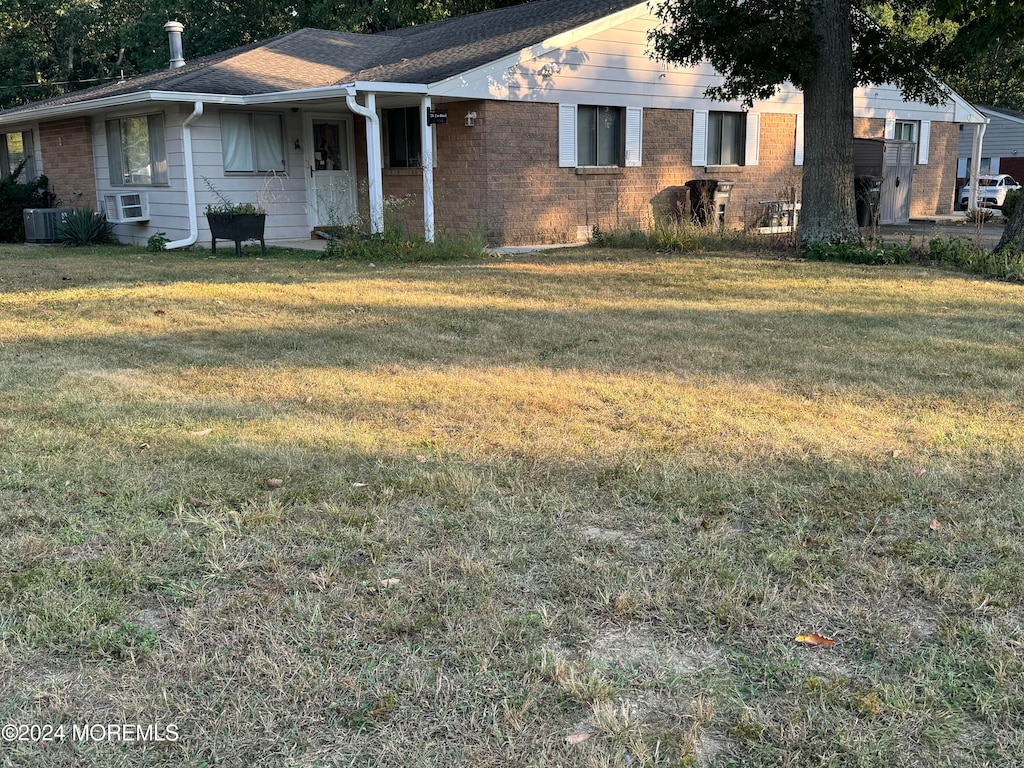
<point x="42" y="225"/>
<point x="124" y="207"/>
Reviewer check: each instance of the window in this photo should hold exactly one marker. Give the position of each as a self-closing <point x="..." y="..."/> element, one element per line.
<point x="14" y="148"/>
<point x="599" y="138"/>
<point x="918" y="131"/>
<point x="252" y="142"/>
<point x="135" y="151"/>
<point x="403" y="129"/>
<point x="726" y="134"/>
<point x="905" y="131"/>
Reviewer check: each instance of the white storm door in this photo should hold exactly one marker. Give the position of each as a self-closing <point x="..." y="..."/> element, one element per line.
<point x="332" y="176"/>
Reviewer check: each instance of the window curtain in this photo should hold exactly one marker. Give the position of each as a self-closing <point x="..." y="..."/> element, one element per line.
<point x="157" y="151"/>
<point x="236" y="141"/>
<point x="269" y="142"/>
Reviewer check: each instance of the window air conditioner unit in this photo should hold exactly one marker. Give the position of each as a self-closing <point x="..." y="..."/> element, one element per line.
<point x="124" y="207"/>
<point x="42" y="225"/>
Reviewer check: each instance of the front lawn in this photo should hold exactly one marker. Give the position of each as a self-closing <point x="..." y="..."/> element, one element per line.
<point x="561" y="510"/>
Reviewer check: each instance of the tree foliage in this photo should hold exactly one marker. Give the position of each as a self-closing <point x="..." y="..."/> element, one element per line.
<point x="49" y="47"/>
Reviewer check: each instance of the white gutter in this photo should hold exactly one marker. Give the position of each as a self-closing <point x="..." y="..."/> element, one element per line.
<point x="374" y="166"/>
<point x="190" y="180"/>
<point x="141" y="97"/>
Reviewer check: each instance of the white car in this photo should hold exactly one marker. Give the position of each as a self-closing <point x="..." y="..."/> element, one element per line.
<point x="991" y="190"/>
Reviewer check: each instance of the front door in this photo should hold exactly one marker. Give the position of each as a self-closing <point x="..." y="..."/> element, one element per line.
<point x="332" y="178"/>
<point x="897" y="179"/>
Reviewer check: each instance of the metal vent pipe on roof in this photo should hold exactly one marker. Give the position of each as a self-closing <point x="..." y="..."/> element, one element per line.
<point x="174" y="30"/>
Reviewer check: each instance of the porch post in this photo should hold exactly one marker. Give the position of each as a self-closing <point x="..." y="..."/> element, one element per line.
<point x="975" y="170"/>
<point x="374" y="161"/>
<point x="427" y="155"/>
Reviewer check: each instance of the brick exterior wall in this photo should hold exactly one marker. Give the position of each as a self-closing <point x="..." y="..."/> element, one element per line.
<point x="66" y="147"/>
<point x="501" y="177"/>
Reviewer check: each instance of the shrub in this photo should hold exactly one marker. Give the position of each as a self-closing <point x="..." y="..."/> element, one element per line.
<point x="980" y="216"/>
<point x="86" y="227"/>
<point x="963" y="254"/>
<point x="1011" y="202"/>
<point x="15" y="196"/>
<point x="348" y="243"/>
<point x="157" y="242"/>
<point x="857" y="253"/>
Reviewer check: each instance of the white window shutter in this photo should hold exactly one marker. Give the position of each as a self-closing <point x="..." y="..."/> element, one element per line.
<point x="923" y="140"/>
<point x="890" y="128"/>
<point x="634" y="136"/>
<point x="753" y="141"/>
<point x="566" y="135"/>
<point x="798" y="153"/>
<point x="699" y="151"/>
<point x="993" y="166"/>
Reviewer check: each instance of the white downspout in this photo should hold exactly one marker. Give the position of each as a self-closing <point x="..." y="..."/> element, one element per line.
<point x="427" y="156"/>
<point x="190" y="180"/>
<point x="976" y="150"/>
<point x="374" y="167"/>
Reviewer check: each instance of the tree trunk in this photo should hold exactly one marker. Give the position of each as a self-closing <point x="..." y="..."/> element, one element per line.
<point x="1013" y="235"/>
<point x="828" y="210"/>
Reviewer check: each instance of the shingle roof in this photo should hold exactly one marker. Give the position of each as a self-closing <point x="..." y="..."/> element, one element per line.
<point x="1011" y="113"/>
<point x="311" y="58"/>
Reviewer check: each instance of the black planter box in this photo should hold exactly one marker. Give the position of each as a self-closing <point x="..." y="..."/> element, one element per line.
<point x="238" y="227"/>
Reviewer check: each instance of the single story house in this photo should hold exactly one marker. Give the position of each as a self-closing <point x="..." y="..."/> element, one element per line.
<point x="528" y="124"/>
<point x="1003" y="147"/>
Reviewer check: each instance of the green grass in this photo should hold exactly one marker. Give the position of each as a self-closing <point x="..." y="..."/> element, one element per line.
<point x="560" y="510"/>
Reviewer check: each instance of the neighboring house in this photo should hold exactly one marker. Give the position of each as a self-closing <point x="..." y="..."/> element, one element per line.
<point x="557" y="121"/>
<point x="1002" y="149"/>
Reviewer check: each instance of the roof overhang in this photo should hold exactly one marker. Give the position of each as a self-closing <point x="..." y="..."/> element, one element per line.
<point x="93" y="106"/>
<point x="995" y="113"/>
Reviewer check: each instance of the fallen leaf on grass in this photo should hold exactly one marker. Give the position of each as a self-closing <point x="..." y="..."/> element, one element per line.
<point x="420" y="458"/>
<point x="201" y="432"/>
<point x="918" y="472"/>
<point x="390" y="582"/>
<point x="815" y="639"/>
<point x="358" y="485"/>
<point x="577" y="738"/>
<point x="161" y="312"/>
<point x="935" y="525"/>
<point x="273" y="482"/>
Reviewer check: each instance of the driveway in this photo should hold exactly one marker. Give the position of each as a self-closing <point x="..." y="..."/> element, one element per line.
<point x="955" y="225"/>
